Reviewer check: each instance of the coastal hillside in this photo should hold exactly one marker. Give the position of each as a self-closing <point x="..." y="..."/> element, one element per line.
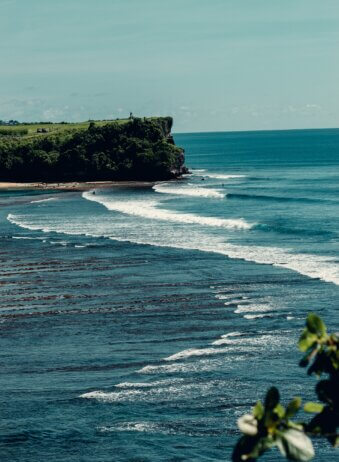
<point x="133" y="149"/>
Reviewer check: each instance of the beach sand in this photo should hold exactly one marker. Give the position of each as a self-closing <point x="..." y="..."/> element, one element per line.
<point x="76" y="186"/>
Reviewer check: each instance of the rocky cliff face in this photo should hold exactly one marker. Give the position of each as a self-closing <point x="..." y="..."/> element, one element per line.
<point x="166" y="124"/>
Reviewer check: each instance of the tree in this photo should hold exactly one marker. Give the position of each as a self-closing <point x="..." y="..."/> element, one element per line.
<point x="270" y="423"/>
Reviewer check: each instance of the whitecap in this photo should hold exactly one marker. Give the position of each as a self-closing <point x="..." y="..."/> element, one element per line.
<point x="43" y="200"/>
<point x="195" y="352"/>
<point x="203" y="365"/>
<point x="220" y="176"/>
<point x="193" y="191"/>
<point x="144" y="427"/>
<point x="148" y="209"/>
<point x="255" y="316"/>
<point x="27" y="238"/>
<point x="311" y="265"/>
<point x="110" y="397"/>
<point x="253" y="308"/>
<point x="157" y="383"/>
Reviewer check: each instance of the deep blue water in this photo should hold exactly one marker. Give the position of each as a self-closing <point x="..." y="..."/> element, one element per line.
<point x="138" y="324"/>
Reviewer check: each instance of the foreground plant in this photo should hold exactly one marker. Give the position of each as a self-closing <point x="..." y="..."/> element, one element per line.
<point x="270" y="423"/>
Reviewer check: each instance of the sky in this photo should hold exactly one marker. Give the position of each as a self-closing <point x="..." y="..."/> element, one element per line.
<point x="214" y="65"/>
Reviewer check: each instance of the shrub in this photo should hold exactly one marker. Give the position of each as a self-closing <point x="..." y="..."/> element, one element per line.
<point x="270" y="423"/>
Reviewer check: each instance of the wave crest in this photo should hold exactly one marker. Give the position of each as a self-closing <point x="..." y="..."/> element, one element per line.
<point x="192" y="191"/>
<point x="148" y="209"/>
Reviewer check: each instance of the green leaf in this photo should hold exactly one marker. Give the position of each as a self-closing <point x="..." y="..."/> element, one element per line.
<point x="314" y="408"/>
<point x="272" y="398"/>
<point x="258" y="410"/>
<point x="306" y="340"/>
<point x="280" y="411"/>
<point x="315" y="325"/>
<point x="293" y="407"/>
<point x="295" y="445"/>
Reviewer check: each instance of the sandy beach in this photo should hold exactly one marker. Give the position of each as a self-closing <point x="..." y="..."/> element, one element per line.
<point x="75" y="186"/>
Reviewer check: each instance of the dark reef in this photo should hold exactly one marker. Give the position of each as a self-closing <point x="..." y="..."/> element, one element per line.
<point x="140" y="149"/>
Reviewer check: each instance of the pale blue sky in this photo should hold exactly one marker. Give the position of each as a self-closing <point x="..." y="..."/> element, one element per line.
<point x="211" y="64"/>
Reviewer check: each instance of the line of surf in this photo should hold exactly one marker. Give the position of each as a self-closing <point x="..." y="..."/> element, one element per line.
<point x="43" y="200"/>
<point x="221" y="176"/>
<point x="310" y="265"/>
<point x="193" y="191"/>
<point x="148" y="209"/>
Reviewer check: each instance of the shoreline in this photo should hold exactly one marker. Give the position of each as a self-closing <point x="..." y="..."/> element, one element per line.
<point x="73" y="185"/>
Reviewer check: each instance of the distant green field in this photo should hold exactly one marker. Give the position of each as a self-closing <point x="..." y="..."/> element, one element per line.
<point x="36" y="130"/>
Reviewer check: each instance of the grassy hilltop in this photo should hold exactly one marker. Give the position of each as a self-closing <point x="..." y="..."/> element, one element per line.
<point x="28" y="130"/>
<point x="127" y="149"/>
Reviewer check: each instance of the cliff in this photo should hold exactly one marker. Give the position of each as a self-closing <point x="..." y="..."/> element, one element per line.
<point x="137" y="149"/>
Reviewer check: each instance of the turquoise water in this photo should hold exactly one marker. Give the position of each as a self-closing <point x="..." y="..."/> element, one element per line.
<point x="138" y="324"/>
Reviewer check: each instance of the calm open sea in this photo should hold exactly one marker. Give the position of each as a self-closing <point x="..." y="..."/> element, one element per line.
<point x="138" y="324"/>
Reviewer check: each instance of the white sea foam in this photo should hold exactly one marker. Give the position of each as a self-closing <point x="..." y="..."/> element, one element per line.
<point x="244" y="341"/>
<point x="140" y="232"/>
<point x="201" y="365"/>
<point x="237" y="343"/>
<point x="157" y="383"/>
<point x="255" y="316"/>
<point x="112" y="396"/>
<point x="27" y="238"/>
<point x="225" y="297"/>
<point x="232" y="334"/>
<point x="228" y="339"/>
<point x="198" y="170"/>
<point x="183" y="190"/>
<point x="43" y="200"/>
<point x="222" y="341"/>
<point x="253" y="308"/>
<point x="169" y="393"/>
<point x="148" y="209"/>
<point x="220" y="176"/>
<point x="21" y="220"/>
<point x="195" y="352"/>
<point x="143" y="427"/>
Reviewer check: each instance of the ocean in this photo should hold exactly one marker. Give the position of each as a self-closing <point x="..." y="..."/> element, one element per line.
<point x="138" y="324"/>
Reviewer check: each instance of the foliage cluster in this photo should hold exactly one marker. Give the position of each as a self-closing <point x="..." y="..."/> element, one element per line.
<point x="140" y="149"/>
<point x="14" y="128"/>
<point x="13" y="131"/>
<point x="270" y="423"/>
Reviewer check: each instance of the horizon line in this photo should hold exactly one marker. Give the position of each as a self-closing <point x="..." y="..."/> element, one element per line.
<point x="256" y="130"/>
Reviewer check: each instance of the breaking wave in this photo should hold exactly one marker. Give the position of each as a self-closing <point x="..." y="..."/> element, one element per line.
<point x="140" y="232"/>
<point x="148" y="209"/>
<point x="221" y="176"/>
<point x="193" y="191"/>
<point x="43" y="200"/>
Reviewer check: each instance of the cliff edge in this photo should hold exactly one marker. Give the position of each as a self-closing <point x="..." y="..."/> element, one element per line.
<point x="138" y="149"/>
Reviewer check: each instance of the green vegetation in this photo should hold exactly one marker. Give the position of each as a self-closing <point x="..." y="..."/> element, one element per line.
<point x="134" y="149"/>
<point x="13" y="131"/>
<point x="270" y="423"/>
<point x="36" y="129"/>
